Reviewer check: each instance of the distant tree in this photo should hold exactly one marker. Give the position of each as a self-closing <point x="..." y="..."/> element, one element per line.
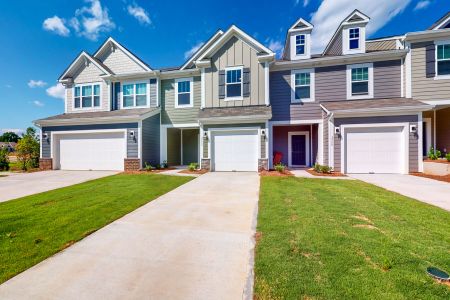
<point x="9" y="137"/>
<point x="4" y="160"/>
<point x="28" y="150"/>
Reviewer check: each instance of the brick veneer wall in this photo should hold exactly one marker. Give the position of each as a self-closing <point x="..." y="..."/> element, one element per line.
<point x="45" y="164"/>
<point x="263" y="164"/>
<point x="206" y="164"/>
<point x="132" y="164"/>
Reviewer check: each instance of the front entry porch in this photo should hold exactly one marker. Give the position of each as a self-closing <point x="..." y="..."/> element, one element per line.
<point x="182" y="146"/>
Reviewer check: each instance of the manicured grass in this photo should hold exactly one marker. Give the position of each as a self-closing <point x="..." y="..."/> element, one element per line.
<point x="336" y="239"/>
<point x="35" y="227"/>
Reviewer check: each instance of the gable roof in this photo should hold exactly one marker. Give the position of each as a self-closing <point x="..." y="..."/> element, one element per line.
<point x="85" y="56"/>
<point x="299" y="26"/>
<point x="130" y="54"/>
<point x="235" y="31"/>
<point x="444" y="21"/>
<point x="354" y="17"/>
<point x="205" y="46"/>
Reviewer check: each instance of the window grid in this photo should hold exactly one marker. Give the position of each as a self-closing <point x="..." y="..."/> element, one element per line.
<point x="134" y="95"/>
<point x="233" y="83"/>
<point x="183" y="93"/>
<point x="87" y="96"/>
<point x="360" y="81"/>
<point x="300" y="44"/>
<point x="354" y="38"/>
<point x="302" y="82"/>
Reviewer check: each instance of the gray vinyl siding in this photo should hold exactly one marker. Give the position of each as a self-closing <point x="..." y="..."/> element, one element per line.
<point x="153" y="93"/>
<point x="336" y="47"/>
<point x="424" y="88"/>
<point x="325" y="139"/>
<point x="151" y="140"/>
<point x="132" y="144"/>
<point x="413" y="141"/>
<point x="387" y="79"/>
<point x="119" y="62"/>
<point x="172" y="115"/>
<point x="235" y="53"/>
<point x="280" y="99"/>
<point x="331" y="83"/>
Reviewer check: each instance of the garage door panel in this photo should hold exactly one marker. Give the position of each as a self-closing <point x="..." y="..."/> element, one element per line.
<point x="374" y="150"/>
<point x="235" y="151"/>
<point x="93" y="151"/>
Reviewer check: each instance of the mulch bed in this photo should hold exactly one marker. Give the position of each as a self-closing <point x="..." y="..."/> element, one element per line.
<point x="445" y="178"/>
<point x="149" y="172"/>
<point x="332" y="174"/>
<point x="440" y="161"/>
<point x="275" y="173"/>
<point x="197" y="172"/>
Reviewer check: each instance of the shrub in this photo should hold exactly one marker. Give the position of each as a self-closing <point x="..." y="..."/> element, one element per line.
<point x="322" y="169"/>
<point x="148" y="167"/>
<point x="193" y="166"/>
<point x="165" y="165"/>
<point x="28" y="150"/>
<point x="434" y="154"/>
<point x="4" y="160"/>
<point x="280" y="167"/>
<point x="447" y="157"/>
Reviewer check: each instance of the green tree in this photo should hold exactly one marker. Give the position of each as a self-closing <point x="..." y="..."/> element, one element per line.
<point x="28" y="150"/>
<point x="4" y="159"/>
<point x="9" y="137"/>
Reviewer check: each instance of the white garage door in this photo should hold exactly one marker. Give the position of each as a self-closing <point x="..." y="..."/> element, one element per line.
<point x="374" y="150"/>
<point x="235" y="150"/>
<point x="91" y="151"/>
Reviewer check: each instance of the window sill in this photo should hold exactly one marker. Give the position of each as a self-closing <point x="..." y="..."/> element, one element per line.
<point x="301" y="101"/>
<point x="133" y="107"/>
<point x="184" y="106"/>
<point x="441" y="77"/>
<point x="234" y="99"/>
<point x="359" y="97"/>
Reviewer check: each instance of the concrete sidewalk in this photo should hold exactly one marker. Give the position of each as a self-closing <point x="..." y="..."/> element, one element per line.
<point x="195" y="242"/>
<point x="423" y="189"/>
<point x="17" y="185"/>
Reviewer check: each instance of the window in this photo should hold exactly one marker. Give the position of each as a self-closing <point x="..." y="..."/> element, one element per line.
<point x="443" y="59"/>
<point x="360" y="81"/>
<point x="183" y="94"/>
<point x="302" y="82"/>
<point x="87" y="96"/>
<point x="353" y="38"/>
<point x="300" y="44"/>
<point x="134" y="95"/>
<point x="233" y="83"/>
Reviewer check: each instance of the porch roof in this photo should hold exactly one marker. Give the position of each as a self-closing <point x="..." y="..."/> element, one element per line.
<point x="373" y="105"/>
<point x="257" y="113"/>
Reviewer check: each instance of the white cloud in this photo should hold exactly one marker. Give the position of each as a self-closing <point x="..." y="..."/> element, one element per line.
<point x="36" y="83"/>
<point x="422" y="4"/>
<point x="194" y="49"/>
<point x="330" y="14"/>
<point x="139" y="13"/>
<point x="57" y="25"/>
<point x="56" y="91"/>
<point x="276" y="46"/>
<point x="38" y="103"/>
<point x="91" y="21"/>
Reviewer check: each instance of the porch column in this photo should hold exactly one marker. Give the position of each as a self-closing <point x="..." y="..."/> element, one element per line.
<point x="270" y="137"/>
<point x="320" y="143"/>
<point x="434" y="130"/>
<point x="181" y="146"/>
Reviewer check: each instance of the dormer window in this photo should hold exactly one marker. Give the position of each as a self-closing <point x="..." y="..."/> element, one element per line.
<point x="353" y="38"/>
<point x="300" y="42"/>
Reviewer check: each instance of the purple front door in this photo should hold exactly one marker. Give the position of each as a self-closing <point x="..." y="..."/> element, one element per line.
<point x="298" y="150"/>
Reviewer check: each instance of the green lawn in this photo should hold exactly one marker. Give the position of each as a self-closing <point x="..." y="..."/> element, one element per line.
<point x="336" y="239"/>
<point x="35" y="227"/>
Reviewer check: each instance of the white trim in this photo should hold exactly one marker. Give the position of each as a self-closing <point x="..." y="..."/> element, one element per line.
<point x="158" y="88"/>
<point x="434" y="130"/>
<point x="436" y="44"/>
<point x="346" y="40"/>
<point x="266" y="84"/>
<point x="438" y="26"/>
<point x="405" y="136"/>
<point x="388" y="111"/>
<point x="205" y="46"/>
<point x="429" y="134"/>
<point x="307" y="45"/>
<point x="56" y="133"/>
<point x="88" y="57"/>
<point x="320" y="133"/>
<point x="331" y="142"/>
<point x="296" y="122"/>
<point x="436" y="102"/>
<point x="307" y="150"/>
<point x="203" y="88"/>
<point x="402" y="77"/>
<point x="200" y="145"/>
<point x="369" y="66"/>
<point x="181" y="146"/>
<point x="140" y="141"/>
<point x="191" y="92"/>
<point x="237" y="98"/>
<point x="163" y="144"/>
<point x="134" y="83"/>
<point x="90" y="108"/>
<point x="66" y="103"/>
<point x="308" y="26"/>
<point x="408" y="66"/>
<point x="124" y="50"/>
<point x="181" y="125"/>
<point x="311" y="85"/>
<point x="420" y="141"/>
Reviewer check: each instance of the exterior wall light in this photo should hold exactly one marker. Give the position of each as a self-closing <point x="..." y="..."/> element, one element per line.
<point x="205" y="135"/>
<point x="263" y="134"/>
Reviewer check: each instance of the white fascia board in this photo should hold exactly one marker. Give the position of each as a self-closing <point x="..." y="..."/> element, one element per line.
<point x="86" y="56"/>
<point x="380" y="111"/>
<point x="427" y="35"/>
<point x="436" y="102"/>
<point x="202" y="48"/>
<point x="134" y="75"/>
<point x="180" y="73"/>
<point x="308" y="25"/>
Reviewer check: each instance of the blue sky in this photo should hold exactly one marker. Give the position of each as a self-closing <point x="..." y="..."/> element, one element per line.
<point x="39" y="42"/>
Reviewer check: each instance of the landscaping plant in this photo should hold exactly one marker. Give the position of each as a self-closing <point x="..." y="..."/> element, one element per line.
<point x="193" y="166"/>
<point x="148" y="167"/>
<point x="28" y="150"/>
<point x="434" y="154"/>
<point x="4" y="160"/>
<point x="322" y="169"/>
<point x="280" y="167"/>
<point x="447" y="157"/>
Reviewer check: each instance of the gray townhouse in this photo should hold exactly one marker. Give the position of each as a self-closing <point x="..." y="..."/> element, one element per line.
<point x="361" y="106"/>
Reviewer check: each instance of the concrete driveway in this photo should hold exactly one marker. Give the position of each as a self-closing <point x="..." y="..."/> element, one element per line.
<point x="17" y="185"/>
<point x="195" y="242"/>
<point x="423" y="189"/>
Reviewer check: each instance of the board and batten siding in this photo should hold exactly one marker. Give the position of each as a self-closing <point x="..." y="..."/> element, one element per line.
<point x="119" y="62"/>
<point x="424" y="88"/>
<point x="235" y="53"/>
<point x="88" y="74"/>
<point x="413" y="140"/>
<point x="132" y="144"/>
<point x="280" y="99"/>
<point x="151" y="140"/>
<point x="172" y="115"/>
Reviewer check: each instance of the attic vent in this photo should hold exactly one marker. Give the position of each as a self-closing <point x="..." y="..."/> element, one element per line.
<point x="112" y="47"/>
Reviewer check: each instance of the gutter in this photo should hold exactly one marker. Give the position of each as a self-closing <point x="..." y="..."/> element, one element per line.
<point x="427" y="34"/>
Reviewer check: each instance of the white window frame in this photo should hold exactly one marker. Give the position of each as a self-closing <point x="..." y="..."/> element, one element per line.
<point x="436" y="44"/>
<point x="307" y="154"/>
<point x="351" y="39"/>
<point x="134" y="94"/>
<point x="311" y="85"/>
<point x="346" y="40"/>
<point x="349" y="81"/>
<point x="293" y="42"/>
<point x="304" y="44"/>
<point x="81" y="85"/>
<point x="242" y="83"/>
<point x="191" y="92"/>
